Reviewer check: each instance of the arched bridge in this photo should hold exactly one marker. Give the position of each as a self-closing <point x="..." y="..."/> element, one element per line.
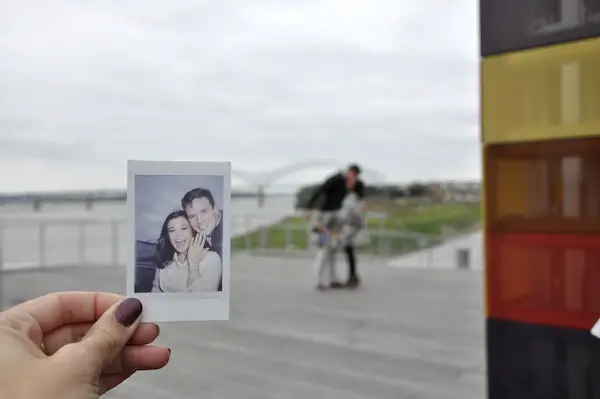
<point x="262" y="179"/>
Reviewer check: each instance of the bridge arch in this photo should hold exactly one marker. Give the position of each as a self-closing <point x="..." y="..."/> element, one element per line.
<point x="243" y="176"/>
<point x="261" y="180"/>
<point x="264" y="179"/>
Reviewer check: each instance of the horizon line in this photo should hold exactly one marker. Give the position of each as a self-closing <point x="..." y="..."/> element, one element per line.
<point x="275" y="189"/>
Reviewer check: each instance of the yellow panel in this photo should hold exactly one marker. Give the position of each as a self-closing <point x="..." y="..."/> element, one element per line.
<point x="552" y="92"/>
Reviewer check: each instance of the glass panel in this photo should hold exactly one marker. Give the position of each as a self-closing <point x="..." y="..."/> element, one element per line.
<point x="513" y="25"/>
<point x="543" y="187"/>
<point x="545" y="279"/>
<point x="571" y="187"/>
<point x="550" y="93"/>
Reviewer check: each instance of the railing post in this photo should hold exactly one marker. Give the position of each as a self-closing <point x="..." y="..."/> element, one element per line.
<point x="263" y="238"/>
<point x="248" y="233"/>
<point x="42" y="243"/>
<point x="288" y="236"/>
<point x="114" y="242"/>
<point x="429" y="256"/>
<point x="380" y="243"/>
<point x="463" y="258"/>
<point x="387" y="248"/>
<point x="81" y="242"/>
<point x="382" y="233"/>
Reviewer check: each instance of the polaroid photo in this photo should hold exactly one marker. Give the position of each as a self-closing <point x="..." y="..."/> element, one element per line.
<point x="179" y="238"/>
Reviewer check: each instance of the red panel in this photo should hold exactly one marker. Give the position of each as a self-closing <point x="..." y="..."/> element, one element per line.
<point x="544" y="279"/>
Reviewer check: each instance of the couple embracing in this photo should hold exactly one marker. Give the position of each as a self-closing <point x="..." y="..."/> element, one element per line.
<point x="188" y="254"/>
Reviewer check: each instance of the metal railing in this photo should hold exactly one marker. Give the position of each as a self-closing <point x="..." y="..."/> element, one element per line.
<point x="38" y="241"/>
<point x="42" y="241"/>
<point x="47" y="240"/>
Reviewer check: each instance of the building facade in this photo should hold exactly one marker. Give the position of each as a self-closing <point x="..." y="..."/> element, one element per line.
<point x="540" y="123"/>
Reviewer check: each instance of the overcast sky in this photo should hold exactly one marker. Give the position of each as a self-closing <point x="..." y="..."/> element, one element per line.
<point x="86" y="85"/>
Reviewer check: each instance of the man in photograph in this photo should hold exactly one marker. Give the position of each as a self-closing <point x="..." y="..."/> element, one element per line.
<point x="332" y="194"/>
<point x="205" y="217"/>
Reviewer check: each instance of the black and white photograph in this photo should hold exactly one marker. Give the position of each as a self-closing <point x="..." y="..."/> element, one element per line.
<point x="179" y="228"/>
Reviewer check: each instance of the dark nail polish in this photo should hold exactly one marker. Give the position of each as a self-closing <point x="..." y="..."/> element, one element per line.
<point x="128" y="311"/>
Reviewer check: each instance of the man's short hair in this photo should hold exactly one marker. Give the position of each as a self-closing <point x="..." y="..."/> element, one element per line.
<point x="354" y="168"/>
<point x="197" y="193"/>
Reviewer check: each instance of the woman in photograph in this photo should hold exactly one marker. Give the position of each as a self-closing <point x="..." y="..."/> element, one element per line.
<point x="184" y="263"/>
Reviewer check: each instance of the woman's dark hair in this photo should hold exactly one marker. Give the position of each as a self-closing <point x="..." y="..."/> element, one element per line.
<point x="164" y="248"/>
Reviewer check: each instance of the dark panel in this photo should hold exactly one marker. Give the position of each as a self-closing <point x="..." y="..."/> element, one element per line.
<point x="545" y="187"/>
<point x="512" y="25"/>
<point x="526" y="361"/>
<point x="543" y="278"/>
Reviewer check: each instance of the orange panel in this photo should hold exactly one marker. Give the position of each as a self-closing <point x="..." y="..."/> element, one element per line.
<point x="544" y="279"/>
<point x="543" y="187"/>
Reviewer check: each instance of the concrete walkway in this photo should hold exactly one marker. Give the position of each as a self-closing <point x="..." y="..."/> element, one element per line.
<point x="407" y="333"/>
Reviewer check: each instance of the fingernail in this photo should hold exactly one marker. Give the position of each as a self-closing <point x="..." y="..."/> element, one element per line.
<point x="169" y="352"/>
<point x="128" y="311"/>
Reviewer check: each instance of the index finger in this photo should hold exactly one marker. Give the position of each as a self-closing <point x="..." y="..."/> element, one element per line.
<point x="58" y="309"/>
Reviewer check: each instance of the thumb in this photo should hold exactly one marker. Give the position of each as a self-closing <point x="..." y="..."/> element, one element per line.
<point x="108" y="336"/>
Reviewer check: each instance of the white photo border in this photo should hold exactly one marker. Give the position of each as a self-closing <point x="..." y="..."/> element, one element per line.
<point x="189" y="306"/>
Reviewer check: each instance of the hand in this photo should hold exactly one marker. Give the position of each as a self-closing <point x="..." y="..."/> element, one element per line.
<point x="319" y="228"/>
<point x="196" y="252"/>
<point x="74" y="345"/>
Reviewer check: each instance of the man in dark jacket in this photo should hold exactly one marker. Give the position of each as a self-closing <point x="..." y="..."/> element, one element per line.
<point x="332" y="193"/>
<point x="205" y="218"/>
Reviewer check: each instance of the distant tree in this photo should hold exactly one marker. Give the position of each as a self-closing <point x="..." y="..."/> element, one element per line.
<point x="396" y="192"/>
<point x="418" y="190"/>
<point x="303" y="195"/>
<point x="373" y="191"/>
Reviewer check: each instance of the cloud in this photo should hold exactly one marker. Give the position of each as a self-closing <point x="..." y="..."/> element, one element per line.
<point x="262" y="83"/>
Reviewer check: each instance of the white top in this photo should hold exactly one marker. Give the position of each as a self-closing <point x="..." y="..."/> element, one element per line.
<point x="351" y="204"/>
<point x="173" y="278"/>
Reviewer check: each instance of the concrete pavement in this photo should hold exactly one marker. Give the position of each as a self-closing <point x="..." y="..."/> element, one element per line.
<point x="407" y="333"/>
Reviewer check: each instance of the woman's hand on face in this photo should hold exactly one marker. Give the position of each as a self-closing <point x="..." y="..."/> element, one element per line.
<point x="74" y="345"/>
<point x="196" y="252"/>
